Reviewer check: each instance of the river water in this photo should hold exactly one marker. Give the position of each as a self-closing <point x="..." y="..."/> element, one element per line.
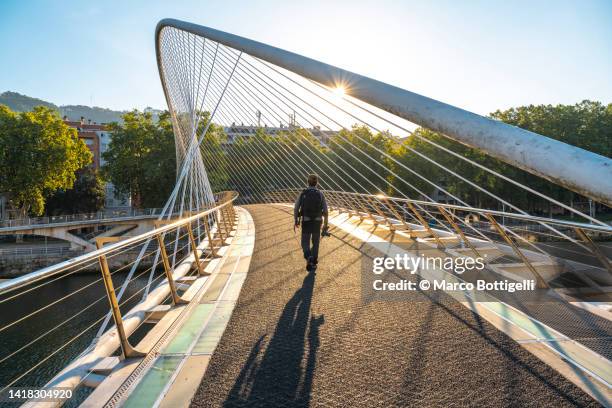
<point x="54" y="343"/>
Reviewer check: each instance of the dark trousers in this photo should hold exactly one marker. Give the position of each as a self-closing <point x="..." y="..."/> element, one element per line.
<point x="311" y="231"/>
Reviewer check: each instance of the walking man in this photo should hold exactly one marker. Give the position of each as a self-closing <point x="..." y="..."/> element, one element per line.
<point x="311" y="210"/>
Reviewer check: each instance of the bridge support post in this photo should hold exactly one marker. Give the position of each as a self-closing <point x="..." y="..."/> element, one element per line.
<point x="540" y="282"/>
<point x="176" y="299"/>
<point x="126" y="348"/>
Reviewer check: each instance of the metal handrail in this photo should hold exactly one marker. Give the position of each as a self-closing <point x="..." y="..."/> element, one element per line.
<point x="38" y="251"/>
<point x="532" y="218"/>
<point x="43" y="273"/>
<point x="378" y="204"/>
<point x="100" y="215"/>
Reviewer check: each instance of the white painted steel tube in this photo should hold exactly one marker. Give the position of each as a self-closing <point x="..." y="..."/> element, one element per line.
<point x="577" y="169"/>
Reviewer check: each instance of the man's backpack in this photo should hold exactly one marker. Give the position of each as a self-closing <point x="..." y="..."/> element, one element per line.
<point x="312" y="204"/>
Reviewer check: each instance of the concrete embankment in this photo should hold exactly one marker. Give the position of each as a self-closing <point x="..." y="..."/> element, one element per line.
<point x="12" y="267"/>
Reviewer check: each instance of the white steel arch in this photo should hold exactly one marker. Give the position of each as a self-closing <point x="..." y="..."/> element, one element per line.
<point x="576" y="169"/>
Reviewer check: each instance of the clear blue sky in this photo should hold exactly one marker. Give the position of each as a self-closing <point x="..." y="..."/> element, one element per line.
<point x="480" y="55"/>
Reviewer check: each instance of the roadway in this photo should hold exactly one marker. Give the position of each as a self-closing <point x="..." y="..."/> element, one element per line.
<point x="297" y="339"/>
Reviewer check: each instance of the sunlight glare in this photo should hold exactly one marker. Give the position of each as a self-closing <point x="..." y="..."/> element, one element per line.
<point x="339" y="91"/>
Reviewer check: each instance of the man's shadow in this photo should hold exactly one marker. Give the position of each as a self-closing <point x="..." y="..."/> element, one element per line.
<point x="285" y="373"/>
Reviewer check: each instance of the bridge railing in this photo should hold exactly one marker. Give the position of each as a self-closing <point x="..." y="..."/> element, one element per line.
<point x="47" y="251"/>
<point x="60" y="312"/>
<point x="522" y="238"/>
<point x="54" y="219"/>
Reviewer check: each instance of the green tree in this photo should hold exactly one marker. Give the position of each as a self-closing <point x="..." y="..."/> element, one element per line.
<point x="587" y="125"/>
<point x="87" y="195"/>
<point x="213" y="154"/>
<point x="38" y="154"/>
<point x="141" y="158"/>
<point x="413" y="152"/>
<point x="361" y="153"/>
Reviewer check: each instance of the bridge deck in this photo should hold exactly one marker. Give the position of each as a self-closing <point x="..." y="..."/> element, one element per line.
<point x="297" y="339"/>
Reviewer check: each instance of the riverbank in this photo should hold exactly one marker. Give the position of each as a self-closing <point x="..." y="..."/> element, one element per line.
<point x="13" y="267"/>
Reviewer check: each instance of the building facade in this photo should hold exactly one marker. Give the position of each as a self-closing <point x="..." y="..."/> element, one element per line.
<point x="97" y="138"/>
<point x="234" y="132"/>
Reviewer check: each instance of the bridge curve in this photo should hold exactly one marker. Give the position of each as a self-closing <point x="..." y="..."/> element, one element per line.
<point x="62" y="230"/>
<point x="298" y="339"/>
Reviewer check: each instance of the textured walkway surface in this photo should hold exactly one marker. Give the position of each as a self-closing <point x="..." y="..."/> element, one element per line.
<point x="297" y="339"/>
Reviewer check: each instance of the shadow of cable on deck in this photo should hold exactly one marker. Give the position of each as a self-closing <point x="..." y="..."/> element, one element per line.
<point x="284" y="374"/>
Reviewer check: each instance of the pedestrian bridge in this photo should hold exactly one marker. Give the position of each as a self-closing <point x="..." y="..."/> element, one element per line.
<point x="216" y="307"/>
<point x="104" y="223"/>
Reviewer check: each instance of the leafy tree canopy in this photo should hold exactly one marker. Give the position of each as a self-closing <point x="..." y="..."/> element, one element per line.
<point x="141" y="158"/>
<point x="587" y="124"/>
<point x="87" y="195"/>
<point x="38" y="153"/>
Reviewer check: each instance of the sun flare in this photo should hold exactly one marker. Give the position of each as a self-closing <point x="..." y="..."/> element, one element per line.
<point x="339" y="91"/>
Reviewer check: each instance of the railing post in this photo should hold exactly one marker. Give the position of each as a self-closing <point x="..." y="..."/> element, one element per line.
<point x="364" y="208"/>
<point x="379" y="212"/>
<point x="391" y="207"/>
<point x="211" y="243"/>
<point x="229" y="218"/>
<point x="176" y="299"/>
<point x="458" y="230"/>
<point x="541" y="283"/>
<point x="227" y="228"/>
<point x="126" y="348"/>
<point x="194" y="249"/>
<point x="332" y="201"/>
<point x="231" y="211"/>
<point x="425" y="224"/>
<point x="219" y="230"/>
<point x="231" y="215"/>
<point x="594" y="248"/>
<point x="352" y="208"/>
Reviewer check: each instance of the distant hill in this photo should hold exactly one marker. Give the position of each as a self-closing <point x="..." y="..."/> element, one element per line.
<point x="96" y="114"/>
<point x="24" y="103"/>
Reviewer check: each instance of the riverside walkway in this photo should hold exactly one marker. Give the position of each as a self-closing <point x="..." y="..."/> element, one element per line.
<point x="298" y="339"/>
